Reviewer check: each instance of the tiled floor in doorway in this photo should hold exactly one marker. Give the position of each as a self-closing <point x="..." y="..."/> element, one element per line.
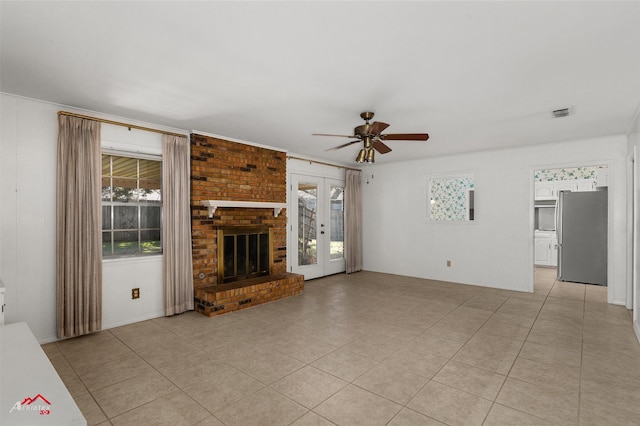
<point x="369" y="349"/>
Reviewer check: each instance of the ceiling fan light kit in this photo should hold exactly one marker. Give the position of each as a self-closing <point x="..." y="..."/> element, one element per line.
<point x="372" y="137"/>
<point x="370" y="156"/>
<point x="362" y="156"/>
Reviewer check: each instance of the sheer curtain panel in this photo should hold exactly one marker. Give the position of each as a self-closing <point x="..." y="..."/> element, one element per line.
<point x="353" y="218"/>
<point x="177" y="272"/>
<point x="78" y="225"/>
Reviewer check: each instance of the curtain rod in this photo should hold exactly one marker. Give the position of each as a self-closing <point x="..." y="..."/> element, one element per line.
<point x="118" y="123"/>
<point x="323" y="163"/>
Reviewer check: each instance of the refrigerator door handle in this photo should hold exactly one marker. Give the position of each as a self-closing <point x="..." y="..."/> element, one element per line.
<point x="558" y="218"/>
<point x="559" y="266"/>
<point x="555" y="217"/>
<point x="559" y="206"/>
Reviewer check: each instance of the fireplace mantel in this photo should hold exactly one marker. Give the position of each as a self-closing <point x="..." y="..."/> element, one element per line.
<point x="212" y="205"/>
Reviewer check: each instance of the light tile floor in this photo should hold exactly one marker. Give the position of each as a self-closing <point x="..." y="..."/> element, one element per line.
<point x="369" y="349"/>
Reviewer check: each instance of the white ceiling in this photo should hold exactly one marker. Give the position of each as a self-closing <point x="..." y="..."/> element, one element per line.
<point x="474" y="75"/>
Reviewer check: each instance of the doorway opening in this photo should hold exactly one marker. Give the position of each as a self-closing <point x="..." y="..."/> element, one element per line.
<point x="570" y="221"/>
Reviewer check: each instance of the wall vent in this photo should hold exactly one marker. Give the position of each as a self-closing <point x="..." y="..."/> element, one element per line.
<point x="559" y="113"/>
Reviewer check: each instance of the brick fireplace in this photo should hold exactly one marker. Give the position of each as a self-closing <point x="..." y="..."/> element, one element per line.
<point x="230" y="171"/>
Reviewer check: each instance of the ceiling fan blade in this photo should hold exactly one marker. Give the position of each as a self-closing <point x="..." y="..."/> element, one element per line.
<point x="327" y="134"/>
<point x="378" y="127"/>
<point x="405" y="137"/>
<point x="343" y="145"/>
<point x="380" y="147"/>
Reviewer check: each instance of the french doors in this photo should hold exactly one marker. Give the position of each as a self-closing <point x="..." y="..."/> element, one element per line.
<point x="317" y="226"/>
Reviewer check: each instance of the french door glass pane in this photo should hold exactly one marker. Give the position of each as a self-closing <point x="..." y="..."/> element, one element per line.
<point x="307" y="230"/>
<point x="336" y="249"/>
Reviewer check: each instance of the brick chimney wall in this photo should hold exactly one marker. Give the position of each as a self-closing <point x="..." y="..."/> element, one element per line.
<point x="225" y="170"/>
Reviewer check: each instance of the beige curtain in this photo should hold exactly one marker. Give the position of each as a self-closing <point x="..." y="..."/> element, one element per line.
<point x="78" y="228"/>
<point x="353" y="218"/>
<point x="177" y="270"/>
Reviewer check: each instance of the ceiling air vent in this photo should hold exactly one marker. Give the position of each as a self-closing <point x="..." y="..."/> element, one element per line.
<point x="559" y="113"/>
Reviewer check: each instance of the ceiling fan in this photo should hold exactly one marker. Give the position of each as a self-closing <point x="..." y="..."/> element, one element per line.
<point x="371" y="135"/>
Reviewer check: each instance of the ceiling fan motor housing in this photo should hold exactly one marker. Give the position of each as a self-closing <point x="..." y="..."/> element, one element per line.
<point x="363" y="130"/>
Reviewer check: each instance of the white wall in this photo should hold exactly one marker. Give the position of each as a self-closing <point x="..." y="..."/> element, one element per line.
<point x="28" y="142"/>
<point x="496" y="249"/>
<point x="27" y="213"/>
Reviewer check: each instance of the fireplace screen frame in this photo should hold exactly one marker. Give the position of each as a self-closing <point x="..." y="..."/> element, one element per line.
<point x="236" y="231"/>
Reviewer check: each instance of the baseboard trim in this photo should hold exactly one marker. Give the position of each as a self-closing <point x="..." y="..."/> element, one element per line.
<point x="133" y="319"/>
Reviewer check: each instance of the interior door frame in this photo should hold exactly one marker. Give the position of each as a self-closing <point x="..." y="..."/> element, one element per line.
<point x="611" y="166"/>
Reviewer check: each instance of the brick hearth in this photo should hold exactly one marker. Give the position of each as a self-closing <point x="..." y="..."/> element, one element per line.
<point x="222" y="298"/>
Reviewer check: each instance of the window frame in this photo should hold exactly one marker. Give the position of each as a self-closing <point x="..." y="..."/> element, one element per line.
<point x="135" y="203"/>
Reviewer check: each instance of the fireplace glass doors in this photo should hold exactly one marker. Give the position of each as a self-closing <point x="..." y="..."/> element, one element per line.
<point x="244" y="252"/>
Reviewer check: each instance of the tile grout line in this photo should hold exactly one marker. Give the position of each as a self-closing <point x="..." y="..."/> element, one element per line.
<point x="517" y="355"/>
<point x="584" y="308"/>
<point x="82" y="381"/>
<point x="160" y="373"/>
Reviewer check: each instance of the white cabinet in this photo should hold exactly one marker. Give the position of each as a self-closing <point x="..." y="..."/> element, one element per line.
<point x="546" y="250"/>
<point x="545" y="191"/>
<point x="549" y="190"/>
<point x="542" y="251"/>
<point x="586" y="185"/>
<point x="565" y="185"/>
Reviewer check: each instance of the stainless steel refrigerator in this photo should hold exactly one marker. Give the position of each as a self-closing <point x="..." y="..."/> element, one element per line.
<point x="582" y="237"/>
